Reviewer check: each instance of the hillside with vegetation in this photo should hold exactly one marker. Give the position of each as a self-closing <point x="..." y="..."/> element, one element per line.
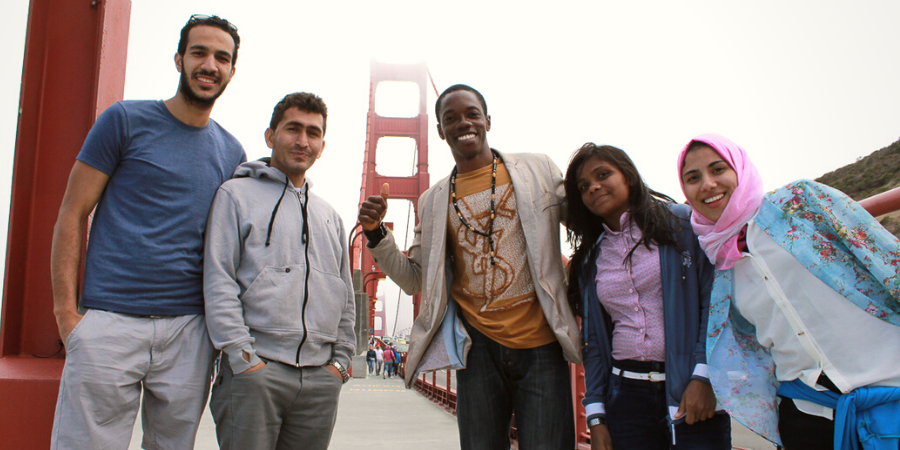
<point x="869" y="176"/>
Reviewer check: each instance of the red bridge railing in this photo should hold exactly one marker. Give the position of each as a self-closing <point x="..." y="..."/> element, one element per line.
<point x="883" y="203"/>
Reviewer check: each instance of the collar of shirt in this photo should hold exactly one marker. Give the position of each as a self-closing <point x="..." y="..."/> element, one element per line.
<point x="625" y="224"/>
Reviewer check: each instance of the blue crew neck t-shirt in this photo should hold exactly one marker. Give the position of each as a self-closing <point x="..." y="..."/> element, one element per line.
<point x="145" y="247"/>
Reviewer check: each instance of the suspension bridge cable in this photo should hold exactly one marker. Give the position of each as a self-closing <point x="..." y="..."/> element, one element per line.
<point x="405" y="241"/>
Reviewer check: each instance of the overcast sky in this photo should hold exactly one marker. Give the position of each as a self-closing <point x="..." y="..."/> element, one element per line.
<point x="805" y="87"/>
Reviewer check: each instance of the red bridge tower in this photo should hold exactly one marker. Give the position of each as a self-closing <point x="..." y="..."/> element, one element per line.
<point x="408" y="188"/>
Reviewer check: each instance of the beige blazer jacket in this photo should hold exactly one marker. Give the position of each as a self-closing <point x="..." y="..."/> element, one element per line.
<point x="540" y="199"/>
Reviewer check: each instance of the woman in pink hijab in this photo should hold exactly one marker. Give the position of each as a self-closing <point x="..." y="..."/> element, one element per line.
<point x="804" y="327"/>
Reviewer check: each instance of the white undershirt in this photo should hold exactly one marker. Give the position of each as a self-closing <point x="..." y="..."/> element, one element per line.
<point x="857" y="349"/>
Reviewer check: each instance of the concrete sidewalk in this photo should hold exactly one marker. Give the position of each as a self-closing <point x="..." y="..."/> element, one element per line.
<point x="373" y="414"/>
<point x="378" y="414"/>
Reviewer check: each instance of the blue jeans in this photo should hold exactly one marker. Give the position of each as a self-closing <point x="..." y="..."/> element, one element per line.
<point x="636" y="414"/>
<point x="371" y="364"/>
<point x="499" y="381"/>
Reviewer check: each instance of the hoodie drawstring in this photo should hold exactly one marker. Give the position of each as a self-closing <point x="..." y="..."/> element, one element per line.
<point x="275" y="211"/>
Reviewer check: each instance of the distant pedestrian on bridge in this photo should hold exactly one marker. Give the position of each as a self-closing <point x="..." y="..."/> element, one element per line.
<point x="388" y="362"/>
<point x="151" y="168"/>
<point x="279" y="299"/>
<point x="370" y="360"/>
<point x="494" y="224"/>
<point x="379" y="359"/>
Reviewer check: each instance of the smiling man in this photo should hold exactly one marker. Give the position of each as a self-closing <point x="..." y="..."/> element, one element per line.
<point x="151" y="168"/>
<point x="279" y="299"/>
<point x="493" y="226"/>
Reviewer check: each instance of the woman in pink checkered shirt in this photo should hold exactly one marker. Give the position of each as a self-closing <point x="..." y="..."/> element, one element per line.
<point x="641" y="283"/>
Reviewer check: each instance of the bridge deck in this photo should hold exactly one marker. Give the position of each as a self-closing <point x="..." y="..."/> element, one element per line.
<point x="373" y="414"/>
<point x="378" y="414"/>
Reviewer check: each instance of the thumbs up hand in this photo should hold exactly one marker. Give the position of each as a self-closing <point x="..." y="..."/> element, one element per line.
<point x="372" y="211"/>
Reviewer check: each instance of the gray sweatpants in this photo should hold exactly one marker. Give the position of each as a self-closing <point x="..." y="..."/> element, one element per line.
<point x="277" y="407"/>
<point x="110" y="357"/>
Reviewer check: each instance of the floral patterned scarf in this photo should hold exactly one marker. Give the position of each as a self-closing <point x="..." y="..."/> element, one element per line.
<point x="839" y="243"/>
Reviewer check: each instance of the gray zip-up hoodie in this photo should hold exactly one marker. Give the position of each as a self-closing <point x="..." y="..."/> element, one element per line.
<point x="276" y="276"/>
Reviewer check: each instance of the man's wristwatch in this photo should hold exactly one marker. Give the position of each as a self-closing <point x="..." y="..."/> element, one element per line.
<point x="344" y="375"/>
<point x="596" y="421"/>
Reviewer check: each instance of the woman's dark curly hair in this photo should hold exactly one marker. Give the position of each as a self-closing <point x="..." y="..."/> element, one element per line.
<point x="648" y="209"/>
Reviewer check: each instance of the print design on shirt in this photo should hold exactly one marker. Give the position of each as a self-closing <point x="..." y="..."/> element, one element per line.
<point x="489" y="286"/>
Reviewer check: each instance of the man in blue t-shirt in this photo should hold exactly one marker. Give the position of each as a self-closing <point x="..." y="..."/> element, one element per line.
<point x="151" y="168"/>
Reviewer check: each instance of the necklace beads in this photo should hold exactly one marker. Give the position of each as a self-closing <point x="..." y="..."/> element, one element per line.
<point x="490" y="232"/>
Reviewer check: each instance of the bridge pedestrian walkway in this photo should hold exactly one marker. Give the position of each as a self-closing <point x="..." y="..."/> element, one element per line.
<point x="379" y="414"/>
<point x="373" y="414"/>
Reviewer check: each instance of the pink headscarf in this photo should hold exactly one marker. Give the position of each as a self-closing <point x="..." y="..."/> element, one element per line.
<point x="719" y="239"/>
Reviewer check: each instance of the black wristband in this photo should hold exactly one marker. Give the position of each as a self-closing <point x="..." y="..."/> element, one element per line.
<point x="375" y="236"/>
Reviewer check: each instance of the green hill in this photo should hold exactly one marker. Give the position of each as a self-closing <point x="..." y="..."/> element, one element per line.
<point x="869" y="176"/>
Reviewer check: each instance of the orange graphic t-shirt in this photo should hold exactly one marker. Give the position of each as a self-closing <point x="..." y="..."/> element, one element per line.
<point x="497" y="300"/>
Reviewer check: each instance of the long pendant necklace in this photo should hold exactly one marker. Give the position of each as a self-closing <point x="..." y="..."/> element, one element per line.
<point x="490" y="232"/>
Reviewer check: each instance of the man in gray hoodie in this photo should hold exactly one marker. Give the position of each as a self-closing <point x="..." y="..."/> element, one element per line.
<point x="279" y="299"/>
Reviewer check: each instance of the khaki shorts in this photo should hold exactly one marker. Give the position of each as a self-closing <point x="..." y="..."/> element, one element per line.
<point x="111" y="359"/>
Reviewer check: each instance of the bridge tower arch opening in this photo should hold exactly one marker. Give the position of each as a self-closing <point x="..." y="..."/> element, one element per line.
<point x="395" y="142"/>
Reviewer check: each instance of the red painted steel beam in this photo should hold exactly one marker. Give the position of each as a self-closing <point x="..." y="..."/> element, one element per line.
<point x="74" y="68"/>
<point x="883" y="203"/>
<point x="405" y="188"/>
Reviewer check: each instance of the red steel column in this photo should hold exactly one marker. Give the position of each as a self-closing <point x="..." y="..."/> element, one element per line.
<point x="408" y="188"/>
<point x="74" y="68"/>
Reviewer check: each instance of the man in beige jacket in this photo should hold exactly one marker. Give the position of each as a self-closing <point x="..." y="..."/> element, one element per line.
<point x="486" y="257"/>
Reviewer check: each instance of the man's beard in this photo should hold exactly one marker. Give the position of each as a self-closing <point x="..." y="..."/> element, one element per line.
<point x="192" y="98"/>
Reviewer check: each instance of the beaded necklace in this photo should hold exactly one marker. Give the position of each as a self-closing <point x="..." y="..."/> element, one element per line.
<point x="490" y="232"/>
